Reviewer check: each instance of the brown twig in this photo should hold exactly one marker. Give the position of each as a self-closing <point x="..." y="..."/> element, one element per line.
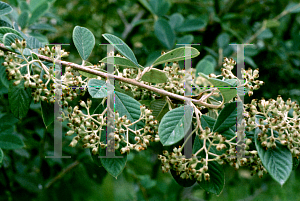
<point x="122" y="79"/>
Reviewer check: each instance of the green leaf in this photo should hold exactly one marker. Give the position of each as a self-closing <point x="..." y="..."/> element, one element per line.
<point x="113" y="166"/>
<point x="4" y="23"/>
<point x="267" y="33"/>
<point x="33" y="43"/>
<point x="89" y="75"/>
<point x="207" y="121"/>
<point x="250" y="61"/>
<point x="4" y="30"/>
<point x="204" y="66"/>
<point x="191" y="25"/>
<point x="84" y="41"/>
<point x="146" y="4"/>
<point x="128" y="106"/>
<point x="10" y="141"/>
<point x="223" y="40"/>
<point x="23" y="19"/>
<point x="155" y="76"/>
<point x="164" y="33"/>
<point x="99" y="88"/>
<point x="278" y="161"/>
<point x="228" y="116"/>
<point x="1" y="156"/>
<point x="3" y="74"/>
<point x="187" y="39"/>
<point x="43" y="27"/>
<point x="176" y="20"/>
<point x="177" y="54"/>
<point x="9" y="38"/>
<point x="293" y="7"/>
<point x="5" y="8"/>
<point x="19" y="99"/>
<point x="211" y="59"/>
<point x="296" y="162"/>
<point x="171" y="128"/>
<point x="159" y="7"/>
<point x="122" y="47"/>
<point x="159" y="108"/>
<point x="121" y="61"/>
<point x="227" y="90"/>
<point x="24" y="6"/>
<point x="272" y="23"/>
<point x="95" y="158"/>
<point x="216" y="171"/>
<point x="47" y="113"/>
<point x="7" y="122"/>
<point x="38" y="12"/>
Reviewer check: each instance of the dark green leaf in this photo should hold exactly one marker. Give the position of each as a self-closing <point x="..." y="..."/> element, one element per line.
<point x="278" y="161"/>
<point x="47" y="113"/>
<point x="180" y="181"/>
<point x="228" y="116"/>
<point x="10" y="141"/>
<point x="159" y="108"/>
<point x="3" y="74"/>
<point x="223" y="40"/>
<point x="7" y="123"/>
<point x="164" y="33"/>
<point x="171" y="128"/>
<point x="191" y="25"/>
<point x="5" y="8"/>
<point x="4" y="23"/>
<point x="159" y="7"/>
<point x="1" y="156"/>
<point x="19" y="99"/>
<point x="176" y="20"/>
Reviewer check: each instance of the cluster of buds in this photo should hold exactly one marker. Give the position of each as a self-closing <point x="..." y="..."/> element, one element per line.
<point x="19" y="44"/>
<point x="275" y="124"/>
<point x="53" y="52"/>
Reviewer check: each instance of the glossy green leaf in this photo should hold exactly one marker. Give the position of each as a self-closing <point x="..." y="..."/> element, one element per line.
<point x="23" y="19"/>
<point x="122" y="47"/>
<point x="177" y="54"/>
<point x="228" y="116"/>
<point x="84" y="41"/>
<point x="155" y="76"/>
<point x="4" y="30"/>
<point x="171" y="128"/>
<point x="227" y="90"/>
<point x="10" y="141"/>
<point x="159" y="7"/>
<point x="99" y="88"/>
<point x="207" y="121"/>
<point x="216" y="171"/>
<point x="19" y="99"/>
<point x="38" y="12"/>
<point x="278" y="161"/>
<point x="159" y="108"/>
<point x="164" y="33"/>
<point x="47" y="113"/>
<point x="121" y="61"/>
<point x="204" y="66"/>
<point x="113" y="166"/>
<point x="191" y="25"/>
<point x="89" y="75"/>
<point x="5" y="8"/>
<point x="176" y="20"/>
<point x="128" y="106"/>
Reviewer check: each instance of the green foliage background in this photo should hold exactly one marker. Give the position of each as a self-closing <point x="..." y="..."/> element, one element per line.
<point x="27" y="175"/>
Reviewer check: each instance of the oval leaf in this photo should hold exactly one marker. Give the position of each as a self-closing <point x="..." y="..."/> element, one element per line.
<point x="155" y="76"/>
<point x="191" y="25"/>
<point x="164" y="33"/>
<point x="10" y="141"/>
<point x="99" y="88"/>
<point x="121" y="61"/>
<point x="160" y="7"/>
<point x="176" y="20"/>
<point x="121" y="47"/>
<point x="171" y="128"/>
<point x="278" y="161"/>
<point x="5" y="8"/>
<point x="228" y="116"/>
<point x="84" y="41"/>
<point x="113" y="166"/>
<point x="38" y="12"/>
<point x="23" y="19"/>
<point x="19" y="99"/>
<point x="177" y="54"/>
<point x="47" y="113"/>
<point x="204" y="66"/>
